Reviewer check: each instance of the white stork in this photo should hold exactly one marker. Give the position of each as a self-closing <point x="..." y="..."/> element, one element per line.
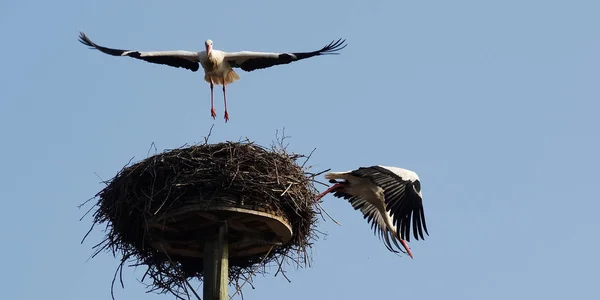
<point x="388" y="197"/>
<point x="217" y="64"/>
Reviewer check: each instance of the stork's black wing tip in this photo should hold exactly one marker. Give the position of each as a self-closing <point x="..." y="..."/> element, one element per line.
<point x="85" y="40"/>
<point x="334" y="47"/>
<point x="422" y="212"/>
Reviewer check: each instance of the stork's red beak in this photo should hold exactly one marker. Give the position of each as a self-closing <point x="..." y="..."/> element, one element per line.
<point x="403" y="242"/>
<point x="329" y="190"/>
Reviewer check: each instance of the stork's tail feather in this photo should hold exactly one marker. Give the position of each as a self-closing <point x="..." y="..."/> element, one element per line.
<point x="336" y="175"/>
<point x="231" y="77"/>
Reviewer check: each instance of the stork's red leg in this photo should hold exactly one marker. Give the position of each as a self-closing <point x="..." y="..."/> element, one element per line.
<point x="405" y="245"/>
<point x="329" y="190"/>
<point x="225" y="100"/>
<point x="213" y="113"/>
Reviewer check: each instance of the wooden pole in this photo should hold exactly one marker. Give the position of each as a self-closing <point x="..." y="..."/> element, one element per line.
<point x="216" y="266"/>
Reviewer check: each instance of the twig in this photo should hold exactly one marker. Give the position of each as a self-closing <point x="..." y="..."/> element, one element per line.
<point x="180" y="273"/>
<point x="101" y="180"/>
<point x="209" y="133"/>
<point x="308" y="157"/>
<point x="313" y="175"/>
<point x="281" y="140"/>
<point x="276" y="171"/>
<point x="332" y="219"/>
<point x="252" y="273"/>
<point x="320" y="182"/>
<point x="280" y="268"/>
<point x="120" y="271"/>
<point x="289" y="186"/>
<point x="84" y="203"/>
<point x="151" y="146"/>
<point x="88" y="232"/>
<point x="88" y="211"/>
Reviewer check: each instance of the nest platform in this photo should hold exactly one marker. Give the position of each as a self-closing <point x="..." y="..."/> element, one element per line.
<point x="250" y="232"/>
<point x="160" y="211"/>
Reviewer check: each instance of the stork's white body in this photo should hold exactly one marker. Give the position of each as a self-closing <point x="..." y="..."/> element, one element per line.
<point x="369" y="192"/>
<point x="216" y="69"/>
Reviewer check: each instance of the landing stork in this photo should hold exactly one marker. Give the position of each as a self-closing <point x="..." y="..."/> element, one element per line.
<point x="218" y="65"/>
<point x="388" y="197"/>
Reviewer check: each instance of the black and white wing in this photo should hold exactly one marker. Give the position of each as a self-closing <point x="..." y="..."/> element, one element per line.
<point x="402" y="198"/>
<point x="178" y="58"/>
<point x="250" y="61"/>
<point x="373" y="217"/>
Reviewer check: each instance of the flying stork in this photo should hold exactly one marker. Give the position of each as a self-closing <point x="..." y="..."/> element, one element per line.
<point x="388" y="197"/>
<point x="218" y="65"/>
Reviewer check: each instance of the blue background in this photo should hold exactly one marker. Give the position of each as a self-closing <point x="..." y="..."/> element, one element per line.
<point x="493" y="103"/>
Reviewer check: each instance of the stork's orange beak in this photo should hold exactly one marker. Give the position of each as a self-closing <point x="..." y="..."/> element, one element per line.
<point x="407" y="248"/>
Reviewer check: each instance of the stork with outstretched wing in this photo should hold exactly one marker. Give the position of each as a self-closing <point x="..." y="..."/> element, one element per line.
<point x="218" y="65"/>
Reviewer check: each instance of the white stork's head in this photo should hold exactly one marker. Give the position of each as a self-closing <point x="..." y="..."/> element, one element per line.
<point x="208" y="44"/>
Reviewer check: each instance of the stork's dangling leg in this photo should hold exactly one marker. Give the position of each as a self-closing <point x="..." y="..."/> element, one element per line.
<point x="329" y="190"/>
<point x="213" y="113"/>
<point x="405" y="245"/>
<point x="225" y="101"/>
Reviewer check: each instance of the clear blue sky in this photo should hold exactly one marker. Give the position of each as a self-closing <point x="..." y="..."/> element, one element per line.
<point x="495" y="105"/>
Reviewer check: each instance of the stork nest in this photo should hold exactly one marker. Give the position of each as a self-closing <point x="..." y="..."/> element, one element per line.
<point x="253" y="176"/>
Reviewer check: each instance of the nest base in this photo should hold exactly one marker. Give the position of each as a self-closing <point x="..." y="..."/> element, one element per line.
<point x="251" y="232"/>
